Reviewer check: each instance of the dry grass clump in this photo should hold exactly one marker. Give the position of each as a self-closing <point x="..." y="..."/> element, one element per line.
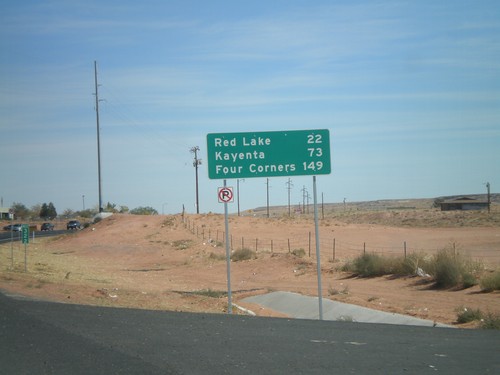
<point x="490" y="282"/>
<point x="210" y="293"/>
<point x="182" y="244"/>
<point x="243" y="254"/>
<point x="454" y="270"/>
<point x="372" y="265"/>
<point x="486" y="321"/>
<point x="448" y="269"/>
<point x="300" y="253"/>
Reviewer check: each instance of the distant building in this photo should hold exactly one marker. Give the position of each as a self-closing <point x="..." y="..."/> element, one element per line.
<point x="4" y="213"/>
<point x="463" y="203"/>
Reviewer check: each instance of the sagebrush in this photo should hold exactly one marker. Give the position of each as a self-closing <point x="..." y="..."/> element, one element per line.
<point x="243" y="254"/>
<point x="490" y="282"/>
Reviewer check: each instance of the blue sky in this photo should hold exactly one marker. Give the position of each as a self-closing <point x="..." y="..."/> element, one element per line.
<point x="410" y="91"/>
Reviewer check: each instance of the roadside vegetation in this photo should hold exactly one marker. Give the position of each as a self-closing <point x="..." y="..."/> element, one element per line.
<point x="490" y="282"/>
<point x="47" y="211"/>
<point x="300" y="253"/>
<point x="243" y="254"/>
<point x="485" y="320"/>
<point x="446" y="269"/>
<point x="182" y="244"/>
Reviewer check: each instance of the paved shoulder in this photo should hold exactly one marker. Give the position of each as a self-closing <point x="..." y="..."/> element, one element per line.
<point x="306" y="307"/>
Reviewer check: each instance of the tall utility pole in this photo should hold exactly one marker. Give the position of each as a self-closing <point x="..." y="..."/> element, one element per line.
<point x="238" y="192"/>
<point x="304" y="192"/>
<point x="322" y="207"/>
<point x="489" y="196"/>
<point x="267" y="190"/>
<point x="98" y="137"/>
<point x="196" y="163"/>
<point x="289" y="186"/>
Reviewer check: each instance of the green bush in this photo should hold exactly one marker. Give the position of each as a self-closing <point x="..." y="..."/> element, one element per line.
<point x="447" y="270"/>
<point x="413" y="262"/>
<point x="453" y="270"/>
<point x="491" y="321"/>
<point x="468" y="280"/>
<point x="490" y="282"/>
<point x="243" y="254"/>
<point x="348" y="266"/>
<point x="370" y="265"/>
<point x="182" y="244"/>
<point x="466" y="315"/>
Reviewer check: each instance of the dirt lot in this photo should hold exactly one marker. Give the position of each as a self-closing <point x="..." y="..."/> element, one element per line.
<point x="178" y="263"/>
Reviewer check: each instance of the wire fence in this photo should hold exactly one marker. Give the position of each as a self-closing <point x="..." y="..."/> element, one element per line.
<point x="335" y="248"/>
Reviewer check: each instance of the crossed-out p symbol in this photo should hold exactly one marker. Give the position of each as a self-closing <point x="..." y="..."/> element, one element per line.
<point x="225" y="194"/>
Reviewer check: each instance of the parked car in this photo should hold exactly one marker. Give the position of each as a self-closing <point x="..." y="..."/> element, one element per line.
<point x="73" y="224"/>
<point x="47" y="226"/>
<point x="13" y="227"/>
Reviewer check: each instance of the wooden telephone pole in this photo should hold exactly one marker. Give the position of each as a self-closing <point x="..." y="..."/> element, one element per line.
<point x="98" y="136"/>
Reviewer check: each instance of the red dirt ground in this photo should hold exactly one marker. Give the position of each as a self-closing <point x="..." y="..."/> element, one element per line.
<point x="170" y="262"/>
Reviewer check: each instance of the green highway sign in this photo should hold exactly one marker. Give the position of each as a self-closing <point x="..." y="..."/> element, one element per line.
<point x="268" y="154"/>
<point x="25" y="231"/>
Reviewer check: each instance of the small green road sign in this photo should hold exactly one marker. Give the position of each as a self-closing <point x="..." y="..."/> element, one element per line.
<point x="25" y="231"/>
<point x="268" y="154"/>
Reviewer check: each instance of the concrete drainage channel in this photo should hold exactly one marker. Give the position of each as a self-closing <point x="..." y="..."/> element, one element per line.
<point x="306" y="307"/>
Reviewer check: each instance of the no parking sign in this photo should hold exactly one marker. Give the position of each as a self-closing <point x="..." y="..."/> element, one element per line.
<point x="225" y="194"/>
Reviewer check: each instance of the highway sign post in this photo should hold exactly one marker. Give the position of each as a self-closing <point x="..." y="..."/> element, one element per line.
<point x="25" y="232"/>
<point x="268" y="154"/>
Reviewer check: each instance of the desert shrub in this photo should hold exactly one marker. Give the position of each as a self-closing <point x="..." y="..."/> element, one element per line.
<point x="334" y="291"/>
<point x="413" y="262"/>
<point x="446" y="270"/>
<point x="348" y="266"/>
<point x="169" y="221"/>
<point x="466" y="315"/>
<point x="214" y="256"/>
<point x="210" y="293"/>
<point x="369" y="265"/>
<point x="453" y="270"/>
<point x="490" y="282"/>
<point x="182" y="244"/>
<point x="491" y="321"/>
<point x="468" y="280"/>
<point x="299" y="252"/>
<point x="243" y="254"/>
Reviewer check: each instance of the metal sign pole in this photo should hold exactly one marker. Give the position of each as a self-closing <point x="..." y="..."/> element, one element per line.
<point x="25" y="257"/>
<point x="228" y="257"/>
<point x="11" y="244"/>
<point x="318" y="257"/>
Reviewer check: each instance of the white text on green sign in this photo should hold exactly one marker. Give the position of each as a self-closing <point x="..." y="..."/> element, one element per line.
<point x="25" y="231"/>
<point x="267" y="154"/>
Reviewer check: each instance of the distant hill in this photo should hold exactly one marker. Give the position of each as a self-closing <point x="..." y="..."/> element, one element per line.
<point x="377" y="205"/>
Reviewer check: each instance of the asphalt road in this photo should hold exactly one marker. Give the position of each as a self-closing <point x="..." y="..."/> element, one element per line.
<point x="51" y="338"/>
